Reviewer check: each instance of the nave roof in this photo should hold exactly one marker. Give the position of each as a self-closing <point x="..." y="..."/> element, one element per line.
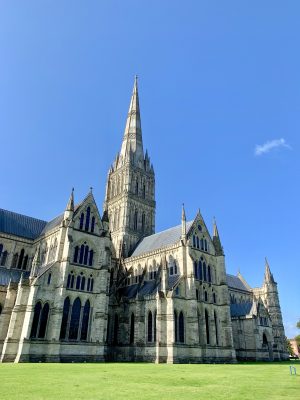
<point x="160" y="240"/>
<point x="235" y="282"/>
<point x="21" y="225"/>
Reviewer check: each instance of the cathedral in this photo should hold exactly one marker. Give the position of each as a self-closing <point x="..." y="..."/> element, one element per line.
<point x="91" y="287"/>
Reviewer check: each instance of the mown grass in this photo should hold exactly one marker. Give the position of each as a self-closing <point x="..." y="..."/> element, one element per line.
<point x="149" y="381"/>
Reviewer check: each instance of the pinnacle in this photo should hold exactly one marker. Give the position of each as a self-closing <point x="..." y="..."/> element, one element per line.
<point x="70" y="205"/>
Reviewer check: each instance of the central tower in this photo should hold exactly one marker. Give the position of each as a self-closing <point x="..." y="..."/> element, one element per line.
<point x="130" y="189"/>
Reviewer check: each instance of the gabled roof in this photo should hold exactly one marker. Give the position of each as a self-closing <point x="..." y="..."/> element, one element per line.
<point x="161" y="239"/>
<point x="20" y="225"/>
<point x="235" y="282"/>
<point x="11" y="274"/>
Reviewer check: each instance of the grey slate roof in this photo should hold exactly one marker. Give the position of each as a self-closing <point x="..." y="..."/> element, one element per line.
<point x="20" y="225"/>
<point x="161" y="239"/>
<point x="11" y="274"/>
<point x="52" y="224"/>
<point x="173" y="280"/>
<point x="241" y="309"/>
<point x="234" y="282"/>
<point x="148" y="287"/>
<point x="28" y="227"/>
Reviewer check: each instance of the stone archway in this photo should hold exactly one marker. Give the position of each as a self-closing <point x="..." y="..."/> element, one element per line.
<point x="267" y="344"/>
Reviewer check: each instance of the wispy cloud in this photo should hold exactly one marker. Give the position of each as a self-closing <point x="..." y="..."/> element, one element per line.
<point x="270" y="145"/>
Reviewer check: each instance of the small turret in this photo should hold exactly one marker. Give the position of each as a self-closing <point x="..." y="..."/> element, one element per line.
<point x="105" y="220"/>
<point x="69" y="211"/>
<point x="183" y="224"/>
<point x="216" y="240"/>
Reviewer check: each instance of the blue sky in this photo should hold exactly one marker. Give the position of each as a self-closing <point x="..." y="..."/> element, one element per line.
<point x="216" y="80"/>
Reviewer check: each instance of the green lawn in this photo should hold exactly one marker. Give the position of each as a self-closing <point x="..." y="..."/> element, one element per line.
<point x="149" y="381"/>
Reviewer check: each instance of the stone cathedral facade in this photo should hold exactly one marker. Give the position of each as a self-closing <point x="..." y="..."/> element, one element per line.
<point x="92" y="287"/>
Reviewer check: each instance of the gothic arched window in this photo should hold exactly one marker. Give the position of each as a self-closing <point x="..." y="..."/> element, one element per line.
<point x="81" y="221"/>
<point x="25" y="262"/>
<point x="75" y="318"/>
<point x="92" y="285"/>
<point x="72" y="281"/>
<point x="131" y="339"/>
<point x="205" y="295"/>
<point x="85" y="321"/>
<point x="136" y="187"/>
<point x="135" y="220"/>
<point x="14" y="260"/>
<point x="20" y="261"/>
<point x="216" y="328"/>
<point x="86" y="255"/>
<point x="150" y="326"/>
<point x="181" y="327"/>
<point x="175" y="326"/>
<point x="209" y="273"/>
<point x="205" y="245"/>
<point x="197" y="240"/>
<point x="200" y="274"/>
<point x="78" y="281"/>
<point x="202" y="244"/>
<point x="36" y="319"/>
<point x="143" y="222"/>
<point x="64" y="321"/>
<point x="204" y="272"/>
<point x="194" y="241"/>
<point x="82" y="286"/>
<point x="196" y="269"/>
<point x="76" y="251"/>
<point x="69" y="281"/>
<point x="81" y="254"/>
<point x="207" y="327"/>
<point x="44" y="320"/>
<point x="4" y="258"/>
<point x="144" y="191"/>
<point x="87" y="219"/>
<point x="93" y="225"/>
<point x="91" y="258"/>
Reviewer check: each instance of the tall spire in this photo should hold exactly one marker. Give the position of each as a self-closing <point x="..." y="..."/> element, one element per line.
<point x="217" y="240"/>
<point x="132" y="140"/>
<point x="268" y="274"/>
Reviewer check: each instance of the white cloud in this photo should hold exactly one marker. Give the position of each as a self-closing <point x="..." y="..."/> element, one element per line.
<point x="270" y="145"/>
